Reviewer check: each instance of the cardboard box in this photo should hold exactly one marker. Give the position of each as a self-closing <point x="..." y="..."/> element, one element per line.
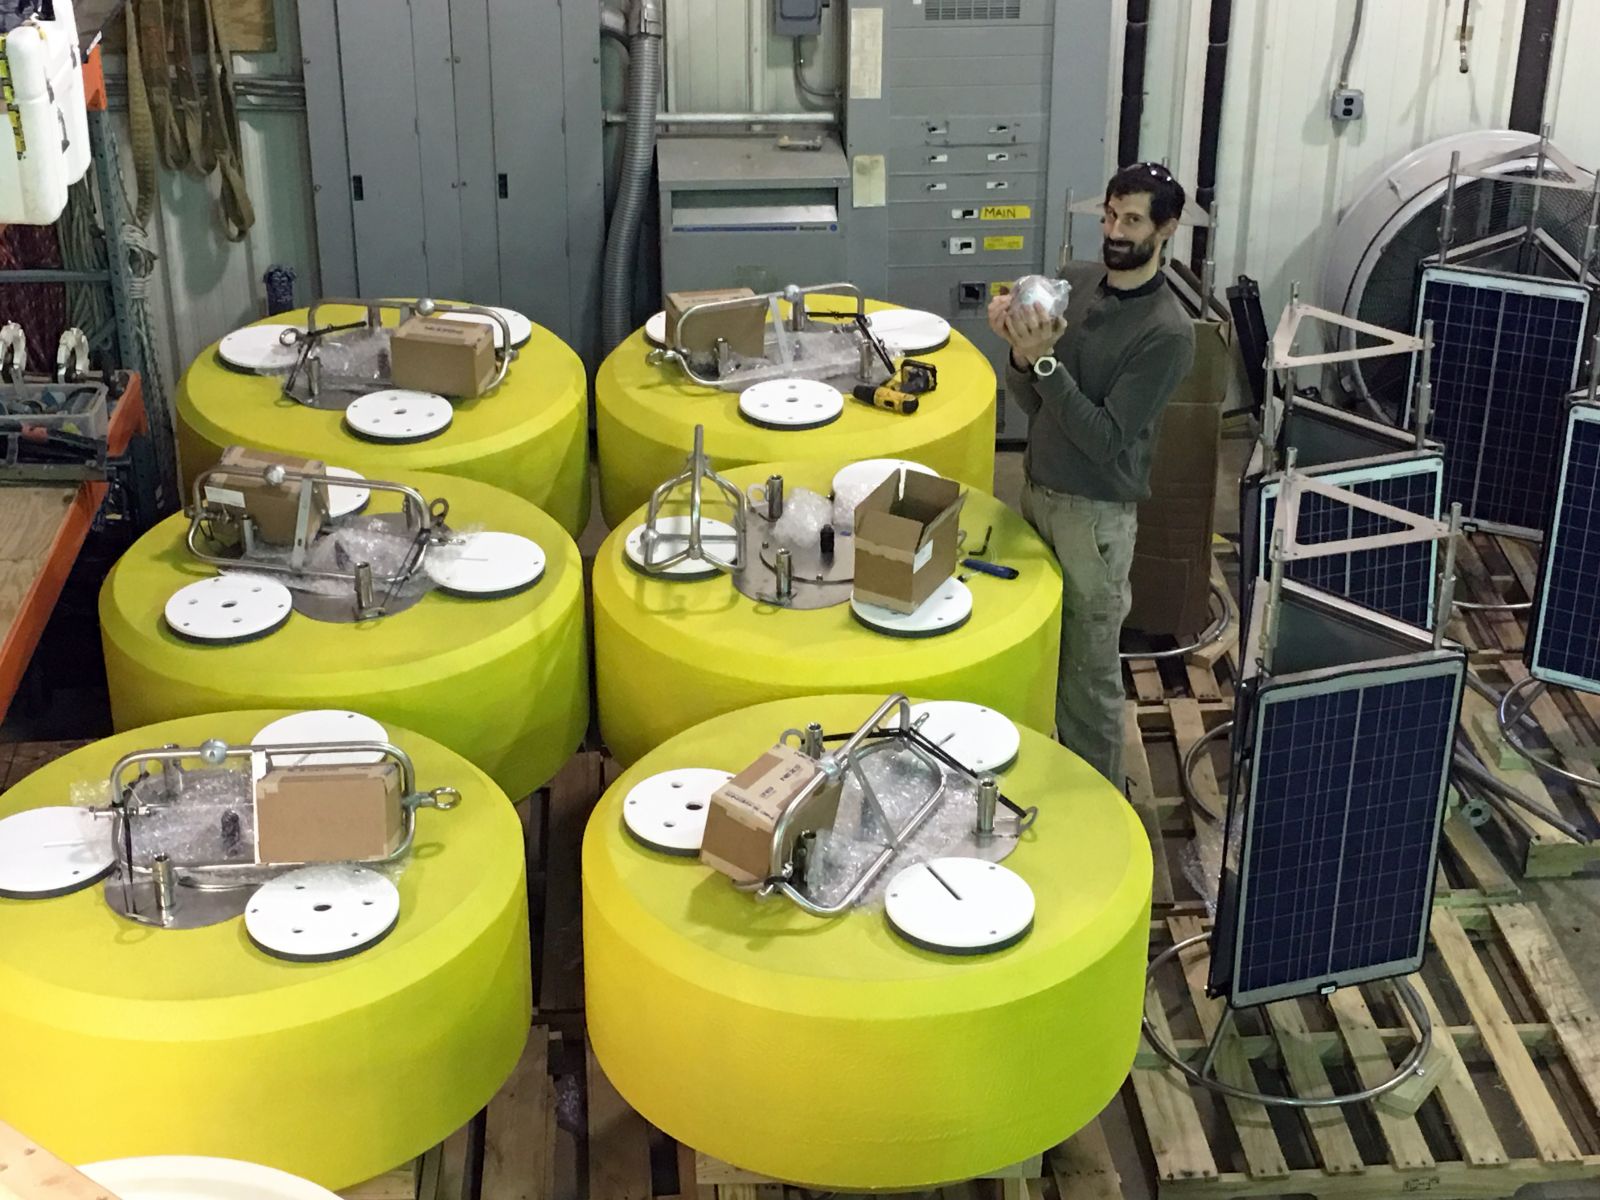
<point x="745" y="811"/>
<point x="273" y="507"/>
<point x="451" y="358"/>
<point x="328" y="814"/>
<point x="906" y="539"/>
<point x="1171" y="575"/>
<point x="744" y="329"/>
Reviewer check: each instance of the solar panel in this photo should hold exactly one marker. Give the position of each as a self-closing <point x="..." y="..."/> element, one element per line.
<point x="1345" y="793"/>
<point x="1397" y="581"/>
<point x="1565" y="647"/>
<point x="1506" y="354"/>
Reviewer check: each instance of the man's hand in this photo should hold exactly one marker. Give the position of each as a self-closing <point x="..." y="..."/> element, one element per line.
<point x="999" y="312"/>
<point x="1031" y="332"/>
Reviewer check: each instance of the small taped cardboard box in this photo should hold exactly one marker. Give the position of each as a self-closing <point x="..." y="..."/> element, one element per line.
<point x="744" y="329"/>
<point x="322" y="814"/>
<point x="450" y="358"/>
<point x="745" y="811"/>
<point x="274" y="508"/>
<point x="1171" y="574"/>
<point x="906" y="534"/>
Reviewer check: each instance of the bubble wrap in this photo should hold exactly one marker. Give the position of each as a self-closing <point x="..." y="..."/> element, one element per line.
<point x="206" y="816"/>
<point x="356" y="540"/>
<point x="848" y="498"/>
<point x="1049" y="294"/>
<point x="356" y="357"/>
<point x="902" y="783"/>
<point x="824" y="353"/>
<point x="804" y="515"/>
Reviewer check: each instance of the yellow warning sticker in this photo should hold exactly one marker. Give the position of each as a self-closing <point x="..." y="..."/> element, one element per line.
<point x="999" y="289"/>
<point x="1008" y="242"/>
<point x="1006" y="212"/>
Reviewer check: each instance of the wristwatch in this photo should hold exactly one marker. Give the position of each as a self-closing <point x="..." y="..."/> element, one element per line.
<point x="1045" y="367"/>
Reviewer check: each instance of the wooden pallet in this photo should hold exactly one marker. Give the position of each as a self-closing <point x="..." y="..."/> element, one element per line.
<point x="1517" y="1080"/>
<point x="18" y="760"/>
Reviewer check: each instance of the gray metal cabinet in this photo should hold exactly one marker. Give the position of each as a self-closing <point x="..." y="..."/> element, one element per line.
<point x="441" y="157"/>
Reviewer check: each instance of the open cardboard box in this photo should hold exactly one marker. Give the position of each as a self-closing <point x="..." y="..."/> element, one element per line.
<point x="906" y="535"/>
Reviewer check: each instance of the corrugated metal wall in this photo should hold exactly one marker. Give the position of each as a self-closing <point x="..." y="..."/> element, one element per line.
<point x="716" y="47"/>
<point x="1573" y="105"/>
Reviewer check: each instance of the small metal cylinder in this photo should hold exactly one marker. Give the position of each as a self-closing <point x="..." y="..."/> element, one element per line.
<point x="165" y="892"/>
<point x="313" y="375"/>
<point x="988" y="801"/>
<point x="363" y="588"/>
<point x="774" y="494"/>
<point x="813" y="742"/>
<point x="1447" y="219"/>
<point x="869" y="359"/>
<point x="784" y="571"/>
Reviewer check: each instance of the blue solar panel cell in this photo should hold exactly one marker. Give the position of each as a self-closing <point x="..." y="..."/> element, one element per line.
<point x="1397" y="581"/>
<point x="1565" y="648"/>
<point x="1506" y="353"/>
<point x="1341" y="830"/>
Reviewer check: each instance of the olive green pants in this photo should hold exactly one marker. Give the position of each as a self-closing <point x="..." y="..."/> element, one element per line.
<point x="1093" y="541"/>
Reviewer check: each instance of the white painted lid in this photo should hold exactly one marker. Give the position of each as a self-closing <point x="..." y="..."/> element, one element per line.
<point x="791" y="403"/>
<point x="398" y="415"/>
<point x="257" y="348"/>
<point x="948" y="608"/>
<point x="667" y="812"/>
<point x="228" y="608"/>
<point x="346" y="501"/>
<point x="488" y="563"/>
<point x="908" y="330"/>
<point x="959" y="905"/>
<point x="52" y="851"/>
<point x="318" y="725"/>
<point x="186" y="1177"/>
<point x="322" y="913"/>
<point x="977" y="737"/>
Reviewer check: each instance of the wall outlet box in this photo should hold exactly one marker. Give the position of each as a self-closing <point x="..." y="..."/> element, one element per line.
<point x="1349" y="104"/>
<point x="797" y="18"/>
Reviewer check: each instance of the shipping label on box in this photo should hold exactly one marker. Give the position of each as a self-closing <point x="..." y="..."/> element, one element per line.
<point x="906" y="535"/>
<point x="745" y="811"/>
<point x="449" y="358"/>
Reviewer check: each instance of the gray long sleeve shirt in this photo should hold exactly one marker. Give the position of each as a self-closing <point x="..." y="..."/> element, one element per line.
<point x="1093" y="422"/>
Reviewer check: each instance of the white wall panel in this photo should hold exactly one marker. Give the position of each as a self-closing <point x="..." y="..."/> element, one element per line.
<point x="712" y="46"/>
<point x="1572" y="105"/>
<point x="1285" y="170"/>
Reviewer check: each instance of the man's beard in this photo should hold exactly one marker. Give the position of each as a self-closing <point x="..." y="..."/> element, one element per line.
<point x="1127" y="256"/>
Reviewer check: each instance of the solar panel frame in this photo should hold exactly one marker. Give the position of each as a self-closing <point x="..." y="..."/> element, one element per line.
<point x="1408" y="946"/>
<point x="1565" y="624"/>
<point x="1473" y="409"/>
<point x="1385" y="568"/>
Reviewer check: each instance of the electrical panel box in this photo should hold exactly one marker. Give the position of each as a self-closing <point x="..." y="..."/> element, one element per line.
<point x="749" y="212"/>
<point x="1348" y="104"/>
<point x="984" y="113"/>
<point x="797" y="18"/>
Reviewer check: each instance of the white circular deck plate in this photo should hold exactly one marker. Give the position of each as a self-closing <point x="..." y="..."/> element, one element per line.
<point x="948" y="608"/>
<point x="959" y="906"/>
<point x="322" y="725"/>
<point x="48" y="852"/>
<point x="667" y="812"/>
<point x="398" y="415"/>
<point x="869" y="473"/>
<point x="346" y="501"/>
<point x="977" y="737"/>
<point x="318" y="914"/>
<point x="486" y="565"/>
<point x="182" y="1177"/>
<point x="791" y="404"/>
<point x="227" y="609"/>
<point x="908" y="330"/>
<point x="256" y="348"/>
<point x="655" y="329"/>
<point x="672" y="537"/>
<point x="521" y="327"/>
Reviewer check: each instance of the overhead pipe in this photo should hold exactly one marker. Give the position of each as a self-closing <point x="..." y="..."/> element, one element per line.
<point x="645" y="29"/>
<point x="1218" y="31"/>
<point x="1135" y="40"/>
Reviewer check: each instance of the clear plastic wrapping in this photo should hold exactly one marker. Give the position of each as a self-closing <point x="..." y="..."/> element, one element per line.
<point x="1051" y="295"/>
<point x="804" y="515"/>
<point x="902" y="782"/>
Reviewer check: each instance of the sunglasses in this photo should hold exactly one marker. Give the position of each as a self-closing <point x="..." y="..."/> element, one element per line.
<point x="1154" y="170"/>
